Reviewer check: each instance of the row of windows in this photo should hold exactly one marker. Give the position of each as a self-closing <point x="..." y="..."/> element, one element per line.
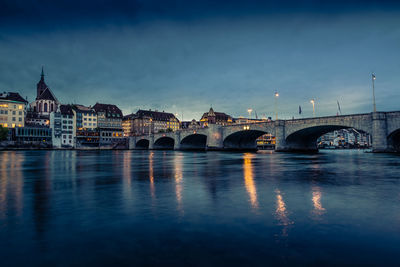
<point x="13" y="112"/>
<point x="114" y="134"/>
<point x="5" y="125"/>
<point x="89" y="119"/>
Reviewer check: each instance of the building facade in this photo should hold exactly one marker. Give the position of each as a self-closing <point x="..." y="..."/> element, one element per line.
<point x="12" y="110"/>
<point x="109" y="123"/>
<point x="212" y="117"/>
<point x="148" y="121"/>
<point x="62" y="123"/>
<point x="86" y="117"/>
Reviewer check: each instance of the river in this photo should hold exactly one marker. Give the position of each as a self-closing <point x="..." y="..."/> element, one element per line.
<point x="198" y="208"/>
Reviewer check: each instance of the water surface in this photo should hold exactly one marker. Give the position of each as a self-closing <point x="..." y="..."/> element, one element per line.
<point x="197" y="208"/>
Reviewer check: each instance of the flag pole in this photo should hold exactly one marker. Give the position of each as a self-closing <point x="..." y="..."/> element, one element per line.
<point x="373" y="90"/>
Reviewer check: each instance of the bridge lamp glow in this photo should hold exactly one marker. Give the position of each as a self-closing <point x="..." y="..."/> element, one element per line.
<point x="249" y="111"/>
<point x="276" y="104"/>
<point x="312" y="101"/>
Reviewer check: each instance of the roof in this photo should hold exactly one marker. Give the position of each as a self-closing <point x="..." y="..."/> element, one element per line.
<point x="129" y="117"/>
<point x="108" y="109"/>
<point x="47" y="95"/>
<point x="219" y="116"/>
<point x="11" y="96"/>
<point x="82" y="108"/>
<point x="66" y="110"/>
<point x="156" y="115"/>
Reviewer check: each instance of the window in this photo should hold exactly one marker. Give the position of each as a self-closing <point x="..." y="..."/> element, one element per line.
<point x="13" y="112"/>
<point x="45" y="107"/>
<point x="84" y="119"/>
<point x="13" y="119"/>
<point x="19" y="119"/>
<point x="20" y="107"/>
<point x="20" y="113"/>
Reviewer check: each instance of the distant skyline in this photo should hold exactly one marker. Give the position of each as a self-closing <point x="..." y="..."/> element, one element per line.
<point x="184" y="56"/>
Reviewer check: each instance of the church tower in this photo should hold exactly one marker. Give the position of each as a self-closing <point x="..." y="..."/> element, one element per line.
<point x="41" y="86"/>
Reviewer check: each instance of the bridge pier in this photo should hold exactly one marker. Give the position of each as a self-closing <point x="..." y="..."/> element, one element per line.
<point x="151" y="142"/>
<point x="132" y="142"/>
<point x="177" y="141"/>
<point x="379" y="132"/>
<point x="280" y="138"/>
<point x="214" y="138"/>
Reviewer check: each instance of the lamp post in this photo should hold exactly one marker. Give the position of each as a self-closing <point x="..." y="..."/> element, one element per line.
<point x="312" y="101"/>
<point x="249" y="111"/>
<point x="373" y="90"/>
<point x="150" y="121"/>
<point x="276" y="105"/>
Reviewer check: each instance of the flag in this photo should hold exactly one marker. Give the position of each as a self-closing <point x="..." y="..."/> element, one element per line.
<point x="338" y="105"/>
<point x="299" y="109"/>
<point x="373" y="76"/>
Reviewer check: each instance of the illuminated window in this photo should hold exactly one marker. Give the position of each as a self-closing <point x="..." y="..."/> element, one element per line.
<point x="20" y="107"/>
<point x="13" y="125"/>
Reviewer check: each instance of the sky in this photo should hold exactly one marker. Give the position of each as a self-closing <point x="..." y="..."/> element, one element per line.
<point x="185" y="56"/>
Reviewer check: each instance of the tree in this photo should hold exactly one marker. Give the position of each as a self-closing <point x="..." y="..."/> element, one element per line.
<point x="3" y="133"/>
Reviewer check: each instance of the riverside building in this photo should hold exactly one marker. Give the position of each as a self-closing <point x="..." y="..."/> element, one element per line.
<point x="62" y="123"/>
<point x="12" y="110"/>
<point x="212" y="117"/>
<point x="109" y="122"/>
<point x="148" y="121"/>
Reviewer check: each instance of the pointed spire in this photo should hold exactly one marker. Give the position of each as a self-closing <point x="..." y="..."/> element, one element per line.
<point x="42" y="75"/>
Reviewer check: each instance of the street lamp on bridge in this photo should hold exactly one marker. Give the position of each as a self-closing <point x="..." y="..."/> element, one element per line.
<point x="276" y="105"/>
<point x="249" y="111"/>
<point x="373" y="90"/>
<point x="312" y="101"/>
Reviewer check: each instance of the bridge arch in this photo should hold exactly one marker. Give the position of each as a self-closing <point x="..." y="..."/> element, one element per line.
<point x="142" y="144"/>
<point x="306" y="139"/>
<point x="164" y="142"/>
<point x="194" y="141"/>
<point x="243" y="137"/>
<point x="394" y="140"/>
<point x="240" y="140"/>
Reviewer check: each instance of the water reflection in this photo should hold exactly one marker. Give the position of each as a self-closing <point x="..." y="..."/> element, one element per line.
<point x="127" y="179"/>
<point x="11" y="184"/>
<point x="42" y="193"/>
<point x="151" y="175"/>
<point x="178" y="180"/>
<point x="316" y="199"/>
<point x="281" y="213"/>
<point x="249" y="179"/>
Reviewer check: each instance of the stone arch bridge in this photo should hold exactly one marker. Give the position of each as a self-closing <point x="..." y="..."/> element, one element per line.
<point x="291" y="135"/>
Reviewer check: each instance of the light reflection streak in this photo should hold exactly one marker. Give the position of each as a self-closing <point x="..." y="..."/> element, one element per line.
<point x="11" y="183"/>
<point x="178" y="180"/>
<point x="282" y="213"/>
<point x="316" y="199"/>
<point x="249" y="179"/>
<point x="151" y="175"/>
<point x="127" y="175"/>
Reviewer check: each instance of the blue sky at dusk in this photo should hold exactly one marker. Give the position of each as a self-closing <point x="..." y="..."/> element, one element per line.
<point x="183" y="56"/>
